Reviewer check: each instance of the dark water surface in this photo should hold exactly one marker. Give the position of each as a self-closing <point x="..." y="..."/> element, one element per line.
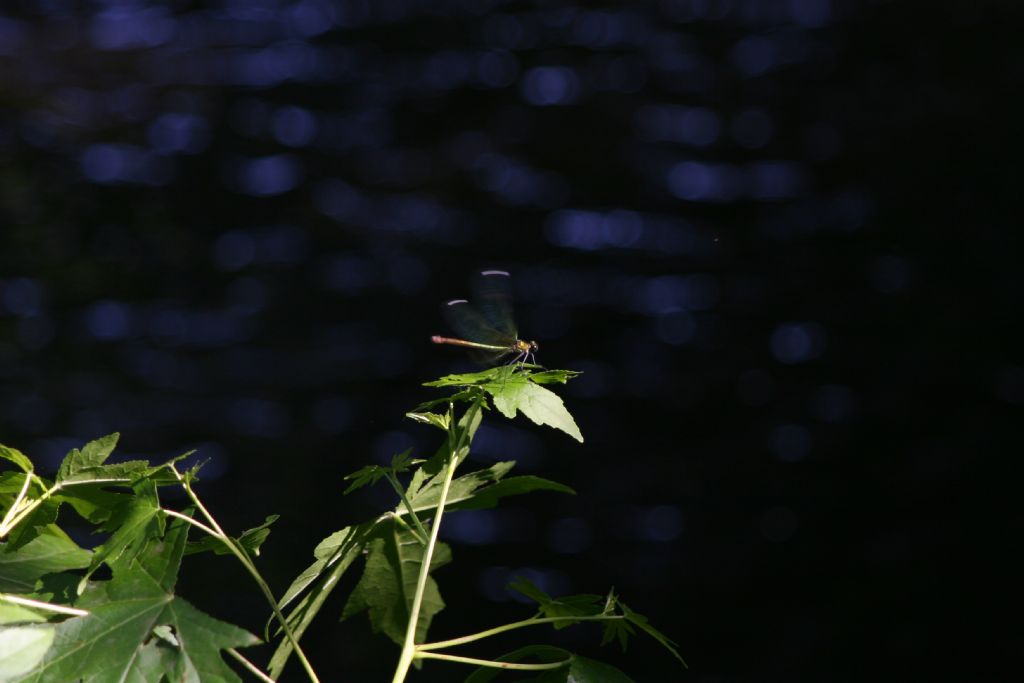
<point x="777" y="237"/>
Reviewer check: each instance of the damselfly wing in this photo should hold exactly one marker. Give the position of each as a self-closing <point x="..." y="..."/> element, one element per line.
<point x="486" y="325"/>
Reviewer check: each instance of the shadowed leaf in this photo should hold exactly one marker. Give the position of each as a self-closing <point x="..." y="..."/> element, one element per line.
<point x="49" y="552"/>
<point x="334" y="555"/>
<point x="388" y="584"/>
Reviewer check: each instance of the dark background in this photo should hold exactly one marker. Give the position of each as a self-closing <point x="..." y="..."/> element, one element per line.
<point x="778" y="237"/>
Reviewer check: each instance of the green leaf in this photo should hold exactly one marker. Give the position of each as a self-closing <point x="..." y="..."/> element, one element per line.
<point x="49" y="552"/>
<point x="334" y="555"/>
<point x="517" y="390"/>
<point x="567" y="607"/>
<point x="619" y="630"/>
<point x="84" y="467"/>
<point x="461" y="436"/>
<point x="137" y="521"/>
<point x="403" y="461"/>
<point x="543" y="654"/>
<point x="43" y="513"/>
<point x="17" y="457"/>
<point x="489" y="496"/>
<point x="577" y="669"/>
<point x="476" y="490"/>
<point x="467" y="395"/>
<point x="11" y="613"/>
<point x="118" y="641"/>
<point x="11" y="483"/>
<point x="388" y="584"/>
<point x="640" y="621"/>
<point x="470" y="378"/>
<point x="22" y="648"/>
<point x="92" y="502"/>
<point x="542" y="406"/>
<point x="553" y="376"/>
<point x="364" y="476"/>
<point x="125" y="472"/>
<point x="440" y="421"/>
<point x="93" y="454"/>
<point x="250" y="540"/>
<point x="371" y="474"/>
<point x="328" y="552"/>
<point x="462" y="488"/>
<point x="58" y="588"/>
<point x="584" y="670"/>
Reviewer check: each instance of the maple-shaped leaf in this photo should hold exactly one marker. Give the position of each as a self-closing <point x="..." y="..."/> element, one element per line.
<point x="541" y="405"/>
<point x="371" y="474"/>
<point x="518" y="390"/>
<point x="93" y="454"/>
<point x="133" y="524"/>
<point x="136" y="629"/>
<point x="388" y="583"/>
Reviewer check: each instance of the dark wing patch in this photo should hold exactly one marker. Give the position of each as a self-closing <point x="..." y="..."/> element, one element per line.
<point x="493" y="292"/>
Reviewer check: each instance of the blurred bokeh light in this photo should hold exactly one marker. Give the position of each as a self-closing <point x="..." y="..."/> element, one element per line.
<point x="228" y="226"/>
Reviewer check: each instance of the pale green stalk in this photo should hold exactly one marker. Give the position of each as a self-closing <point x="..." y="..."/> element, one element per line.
<point x="20" y="509"/>
<point x="38" y="604"/>
<point x="454" y="448"/>
<point x="409" y="646"/>
<point x="243" y="557"/>
<point x="490" y="663"/>
<point x="252" y="668"/>
<point x="533" y="621"/>
<point x="420" y="533"/>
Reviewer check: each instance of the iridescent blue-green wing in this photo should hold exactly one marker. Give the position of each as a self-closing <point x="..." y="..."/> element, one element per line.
<point x="470" y="324"/>
<point x="493" y="292"/>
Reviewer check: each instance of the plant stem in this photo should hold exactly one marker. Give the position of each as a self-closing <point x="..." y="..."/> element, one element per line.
<point x="250" y="666"/>
<point x="37" y="604"/>
<point x="20" y="509"/>
<point x="244" y="558"/>
<point x="454" y="447"/>
<point x="409" y="646"/>
<point x="194" y="522"/>
<point x="533" y="621"/>
<point x="422" y="535"/>
<point x="4" y="529"/>
<point x="16" y="515"/>
<point x="547" y="666"/>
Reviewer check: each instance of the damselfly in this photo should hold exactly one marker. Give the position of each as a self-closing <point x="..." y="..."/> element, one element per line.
<point x="487" y="326"/>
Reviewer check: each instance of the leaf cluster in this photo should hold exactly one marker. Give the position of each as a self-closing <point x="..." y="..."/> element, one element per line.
<point x="513" y="389"/>
<point x="63" y="619"/>
<point x="58" y="622"/>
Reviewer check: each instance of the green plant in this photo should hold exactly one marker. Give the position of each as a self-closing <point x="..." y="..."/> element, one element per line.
<point x="62" y="619"/>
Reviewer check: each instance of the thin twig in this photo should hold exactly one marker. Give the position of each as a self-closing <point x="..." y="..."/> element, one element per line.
<point x="250" y="666"/>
